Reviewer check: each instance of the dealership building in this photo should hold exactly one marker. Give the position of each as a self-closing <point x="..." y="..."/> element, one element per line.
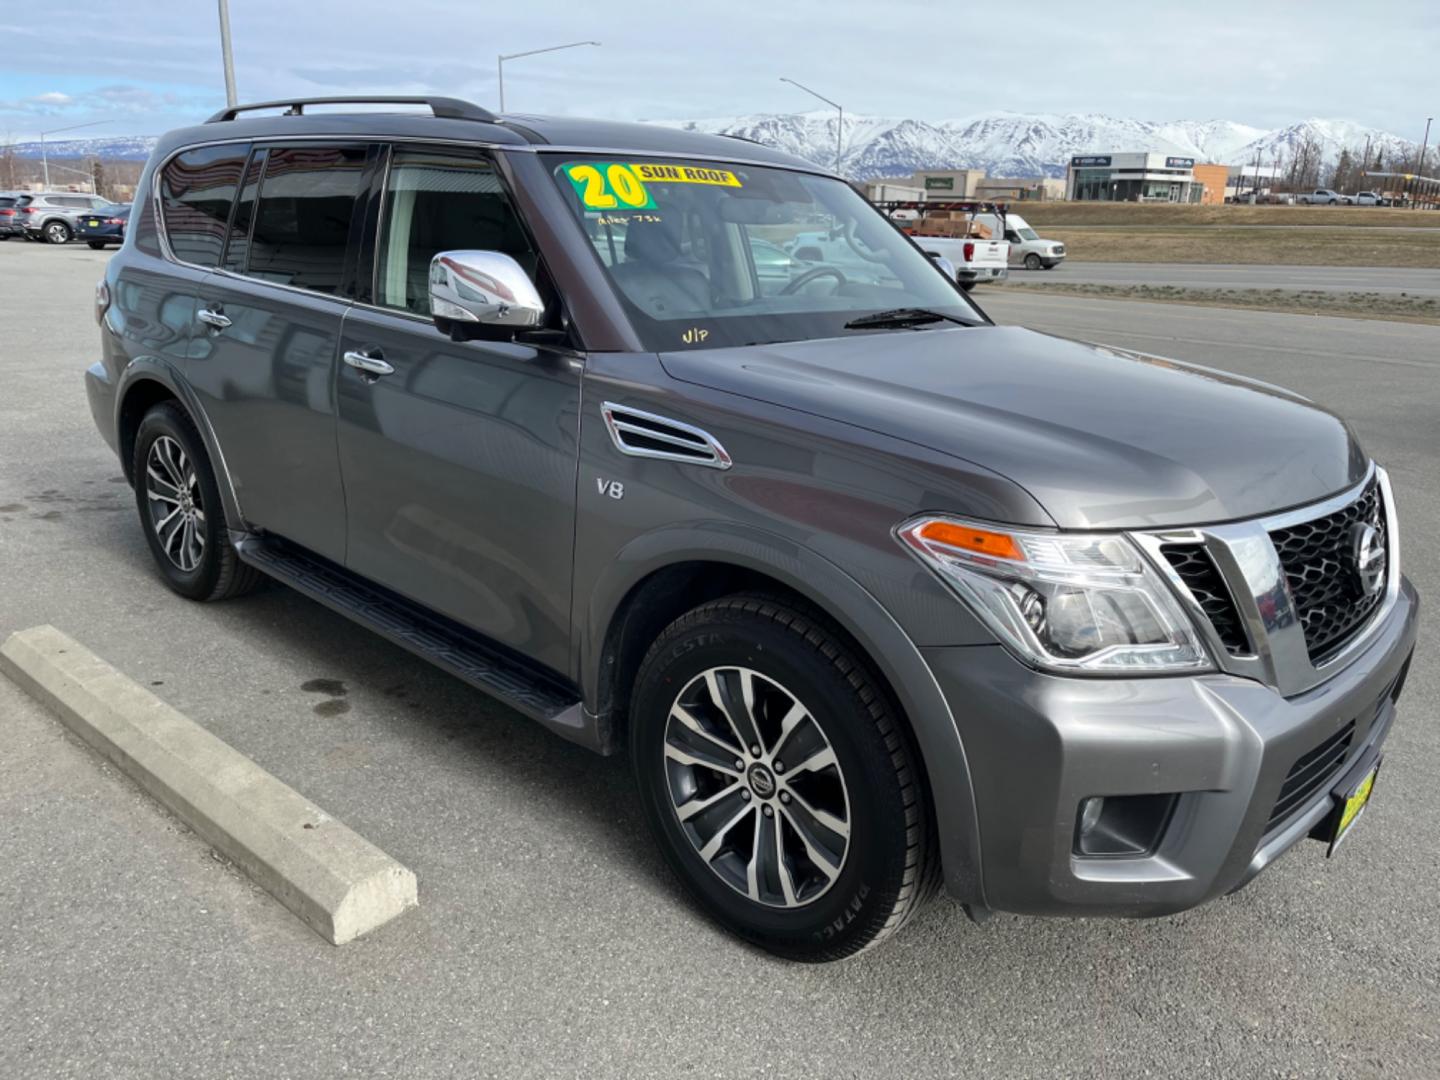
<point x="1143" y="177"/>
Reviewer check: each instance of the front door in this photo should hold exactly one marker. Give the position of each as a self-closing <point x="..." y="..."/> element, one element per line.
<point x="459" y="464"/>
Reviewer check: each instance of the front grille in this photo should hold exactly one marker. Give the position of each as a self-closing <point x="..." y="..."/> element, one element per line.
<point x="1319" y="561"/>
<point x="1195" y="567"/>
<point x="1311" y="774"/>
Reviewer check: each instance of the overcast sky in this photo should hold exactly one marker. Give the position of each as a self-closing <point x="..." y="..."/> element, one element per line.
<point x="143" y="66"/>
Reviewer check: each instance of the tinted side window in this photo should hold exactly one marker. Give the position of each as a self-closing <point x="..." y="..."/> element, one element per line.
<point x="302" y="221"/>
<point x="196" y="190"/>
<point x="437" y="201"/>
<point x="237" y="251"/>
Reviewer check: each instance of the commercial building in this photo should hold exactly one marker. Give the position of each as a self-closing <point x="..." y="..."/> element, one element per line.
<point x="1213" y="180"/>
<point x="948" y="183"/>
<point x="1134" y="177"/>
<point x="1019" y="189"/>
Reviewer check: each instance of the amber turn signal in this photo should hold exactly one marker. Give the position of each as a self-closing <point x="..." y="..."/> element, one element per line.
<point x="969" y="538"/>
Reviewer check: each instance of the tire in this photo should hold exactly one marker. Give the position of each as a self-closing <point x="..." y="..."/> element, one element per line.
<point x="96" y="245"/>
<point x="966" y="285"/>
<point x="56" y="232"/>
<point x="822" y="895"/>
<point x="195" y="557"/>
<point x="1032" y="261"/>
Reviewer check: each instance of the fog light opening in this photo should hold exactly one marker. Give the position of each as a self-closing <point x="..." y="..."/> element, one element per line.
<point x="1121" y="825"/>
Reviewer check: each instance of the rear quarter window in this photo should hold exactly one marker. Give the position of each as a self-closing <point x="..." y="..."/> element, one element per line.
<point x="197" y="189"/>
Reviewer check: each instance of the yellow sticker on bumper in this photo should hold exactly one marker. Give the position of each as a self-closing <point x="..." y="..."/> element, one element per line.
<point x="1355" y="804"/>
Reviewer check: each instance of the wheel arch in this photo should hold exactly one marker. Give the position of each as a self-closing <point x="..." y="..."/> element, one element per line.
<point x="660" y="576"/>
<point x="147" y="383"/>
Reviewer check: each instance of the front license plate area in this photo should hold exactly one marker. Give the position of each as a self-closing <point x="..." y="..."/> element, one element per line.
<point x="1352" y="796"/>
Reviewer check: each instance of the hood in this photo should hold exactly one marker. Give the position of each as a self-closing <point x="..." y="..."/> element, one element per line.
<point x="1102" y="438"/>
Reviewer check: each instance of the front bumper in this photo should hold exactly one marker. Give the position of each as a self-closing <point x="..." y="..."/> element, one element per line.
<point x="1038" y="744"/>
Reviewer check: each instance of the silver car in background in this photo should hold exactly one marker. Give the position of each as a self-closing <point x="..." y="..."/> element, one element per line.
<point x="51" y="215"/>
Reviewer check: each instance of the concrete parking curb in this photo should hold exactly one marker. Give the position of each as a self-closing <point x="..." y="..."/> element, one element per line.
<point x="335" y="880"/>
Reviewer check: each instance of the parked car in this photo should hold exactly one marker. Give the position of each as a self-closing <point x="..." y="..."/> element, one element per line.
<point x="1027" y="247"/>
<point x="1368" y="198"/>
<point x="9" y="216"/>
<point x="103" y="227"/>
<point x="1322" y="196"/>
<point x="50" y="215"/>
<point x="875" y="594"/>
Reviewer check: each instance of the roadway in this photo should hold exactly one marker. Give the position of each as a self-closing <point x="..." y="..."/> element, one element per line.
<point x="1413" y="281"/>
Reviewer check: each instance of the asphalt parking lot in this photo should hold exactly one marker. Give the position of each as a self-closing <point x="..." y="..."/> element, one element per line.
<point x="550" y="940"/>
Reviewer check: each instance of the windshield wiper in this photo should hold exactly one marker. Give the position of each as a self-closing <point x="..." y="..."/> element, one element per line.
<point x="900" y="317"/>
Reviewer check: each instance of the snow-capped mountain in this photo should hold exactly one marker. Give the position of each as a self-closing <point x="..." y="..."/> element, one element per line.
<point x="115" y="148"/>
<point x="1014" y="144"/>
<point x="1003" y="144"/>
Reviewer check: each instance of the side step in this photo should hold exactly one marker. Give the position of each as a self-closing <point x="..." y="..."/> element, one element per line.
<point x="512" y="679"/>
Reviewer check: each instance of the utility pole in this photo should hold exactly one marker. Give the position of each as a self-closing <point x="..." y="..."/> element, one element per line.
<point x="1424" y="145"/>
<point x="226" y="56"/>
<point x="839" y="125"/>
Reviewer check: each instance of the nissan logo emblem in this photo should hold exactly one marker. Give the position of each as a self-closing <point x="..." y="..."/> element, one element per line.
<point x="1368" y="551"/>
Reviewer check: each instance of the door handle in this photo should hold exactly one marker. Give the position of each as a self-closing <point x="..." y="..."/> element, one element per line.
<point x="217" y="319"/>
<point x="371" y="364"/>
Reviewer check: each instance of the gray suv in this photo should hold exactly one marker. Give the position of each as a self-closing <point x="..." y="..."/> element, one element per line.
<point x="877" y="596"/>
<point x="51" y="215"/>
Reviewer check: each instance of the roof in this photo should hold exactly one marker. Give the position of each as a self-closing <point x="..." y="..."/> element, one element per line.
<point x="461" y="122"/>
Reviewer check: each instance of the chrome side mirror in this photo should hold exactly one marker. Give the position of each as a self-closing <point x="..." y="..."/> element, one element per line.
<point x="485" y="287"/>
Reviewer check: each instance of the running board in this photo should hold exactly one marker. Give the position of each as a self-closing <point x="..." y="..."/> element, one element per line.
<point x="517" y="682"/>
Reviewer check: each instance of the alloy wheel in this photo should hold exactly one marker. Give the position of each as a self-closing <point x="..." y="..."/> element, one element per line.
<point x="177" y="513"/>
<point x="756" y="787"/>
<point x="57" y="233"/>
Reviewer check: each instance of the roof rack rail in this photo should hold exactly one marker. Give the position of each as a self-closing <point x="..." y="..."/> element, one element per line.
<point x="445" y="108"/>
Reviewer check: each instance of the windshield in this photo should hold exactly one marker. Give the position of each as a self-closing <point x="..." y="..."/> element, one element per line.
<point x="706" y="256"/>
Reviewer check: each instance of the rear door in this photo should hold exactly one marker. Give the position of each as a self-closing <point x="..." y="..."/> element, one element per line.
<point x="460" y="464"/>
<point x="270" y="331"/>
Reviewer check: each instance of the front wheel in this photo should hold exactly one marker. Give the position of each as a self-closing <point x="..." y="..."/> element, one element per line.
<point x="1032" y="261"/>
<point x="57" y="232"/>
<point x="779" y="781"/>
<point x="179" y="503"/>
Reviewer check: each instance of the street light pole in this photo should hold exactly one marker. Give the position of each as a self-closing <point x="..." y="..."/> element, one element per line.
<point x="500" y="62"/>
<point x="840" y="124"/>
<point x="227" y="58"/>
<point x="44" y="153"/>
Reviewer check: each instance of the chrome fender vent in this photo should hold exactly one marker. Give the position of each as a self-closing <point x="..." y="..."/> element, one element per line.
<point x="643" y="434"/>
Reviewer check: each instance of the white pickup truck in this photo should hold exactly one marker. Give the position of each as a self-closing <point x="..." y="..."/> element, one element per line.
<point x="1323" y="197"/>
<point x="976" y="259"/>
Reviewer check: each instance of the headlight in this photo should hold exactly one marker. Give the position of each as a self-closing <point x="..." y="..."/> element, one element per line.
<point x="1067" y="602"/>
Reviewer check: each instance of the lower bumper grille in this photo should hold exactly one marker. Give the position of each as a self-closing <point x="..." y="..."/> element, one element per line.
<point x="1310" y="774"/>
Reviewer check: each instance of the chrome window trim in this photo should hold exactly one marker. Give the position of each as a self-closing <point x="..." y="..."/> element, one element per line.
<point x="1246" y="558"/>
